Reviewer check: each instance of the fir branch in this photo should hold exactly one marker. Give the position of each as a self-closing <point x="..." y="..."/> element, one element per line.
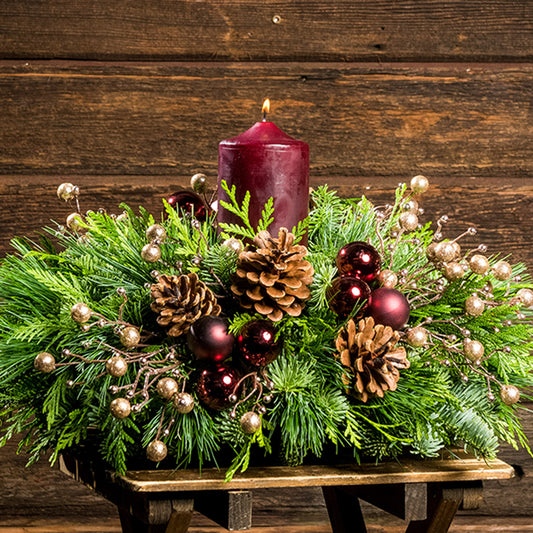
<point x="219" y="266"/>
<point x="194" y="438"/>
<point x="117" y="441"/>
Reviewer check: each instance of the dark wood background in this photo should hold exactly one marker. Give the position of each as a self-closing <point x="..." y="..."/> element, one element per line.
<point x="129" y="98"/>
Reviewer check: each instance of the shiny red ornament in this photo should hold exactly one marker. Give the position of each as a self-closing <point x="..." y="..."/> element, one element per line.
<point x="215" y="385"/>
<point x="359" y="260"/>
<point x="190" y="203"/>
<point x="389" y="307"/>
<point x="209" y="339"/>
<point x="346" y="293"/>
<point x="257" y="342"/>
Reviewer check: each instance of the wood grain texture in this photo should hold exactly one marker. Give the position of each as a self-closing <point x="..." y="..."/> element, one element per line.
<point x="499" y="208"/>
<point x="359" y="120"/>
<point x="338" y="30"/>
<point x="461" y="524"/>
<point x="404" y="471"/>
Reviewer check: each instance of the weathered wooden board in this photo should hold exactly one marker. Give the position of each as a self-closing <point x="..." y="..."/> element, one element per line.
<point x="405" y="471"/>
<point x="499" y="209"/>
<point x="382" y="524"/>
<point x="359" y="119"/>
<point x="30" y="494"/>
<point x="343" y="30"/>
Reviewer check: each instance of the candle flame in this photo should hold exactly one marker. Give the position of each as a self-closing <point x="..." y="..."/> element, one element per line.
<point x="266" y="108"/>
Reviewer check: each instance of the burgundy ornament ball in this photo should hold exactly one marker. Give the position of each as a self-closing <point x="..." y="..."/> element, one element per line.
<point x="257" y="342"/>
<point x="190" y="203"/>
<point x="215" y="385"/>
<point x="347" y="292"/>
<point x="388" y="307"/>
<point x="209" y="339"/>
<point x="359" y="260"/>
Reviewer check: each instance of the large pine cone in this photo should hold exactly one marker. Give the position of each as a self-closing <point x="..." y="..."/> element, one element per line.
<point x="372" y="360"/>
<point x="274" y="278"/>
<point x="180" y="301"/>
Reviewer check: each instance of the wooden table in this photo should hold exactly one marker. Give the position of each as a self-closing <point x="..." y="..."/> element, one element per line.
<point x="426" y="493"/>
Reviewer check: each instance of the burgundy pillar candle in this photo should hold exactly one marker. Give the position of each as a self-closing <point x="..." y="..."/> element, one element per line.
<point x="267" y="162"/>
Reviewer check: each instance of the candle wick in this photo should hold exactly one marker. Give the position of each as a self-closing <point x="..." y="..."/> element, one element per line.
<point x="264" y="116"/>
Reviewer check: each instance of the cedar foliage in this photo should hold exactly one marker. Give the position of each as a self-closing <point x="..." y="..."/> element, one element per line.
<point x="310" y="415"/>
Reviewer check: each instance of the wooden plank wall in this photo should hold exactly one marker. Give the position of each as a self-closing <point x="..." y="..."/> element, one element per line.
<point x="128" y="98"/>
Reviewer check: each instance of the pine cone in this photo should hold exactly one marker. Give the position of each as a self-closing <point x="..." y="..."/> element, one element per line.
<point x="373" y="361"/>
<point x="180" y="301"/>
<point x="273" y="279"/>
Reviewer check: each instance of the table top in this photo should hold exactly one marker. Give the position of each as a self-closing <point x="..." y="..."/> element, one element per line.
<point x="462" y="468"/>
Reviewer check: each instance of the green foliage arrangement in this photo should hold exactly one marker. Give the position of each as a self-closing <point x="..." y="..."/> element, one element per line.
<point x="452" y="394"/>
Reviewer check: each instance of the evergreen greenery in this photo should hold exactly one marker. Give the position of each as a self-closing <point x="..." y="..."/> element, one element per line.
<point x="440" y="402"/>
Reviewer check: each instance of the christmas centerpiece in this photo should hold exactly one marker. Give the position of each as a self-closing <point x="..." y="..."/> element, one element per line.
<point x="356" y="332"/>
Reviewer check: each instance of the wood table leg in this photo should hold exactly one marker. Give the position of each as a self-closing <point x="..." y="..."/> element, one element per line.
<point x="407" y="501"/>
<point x="344" y="511"/>
<point x="156" y="516"/>
<point x="180" y="518"/>
<point x="231" y="509"/>
<point x="443" y="502"/>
